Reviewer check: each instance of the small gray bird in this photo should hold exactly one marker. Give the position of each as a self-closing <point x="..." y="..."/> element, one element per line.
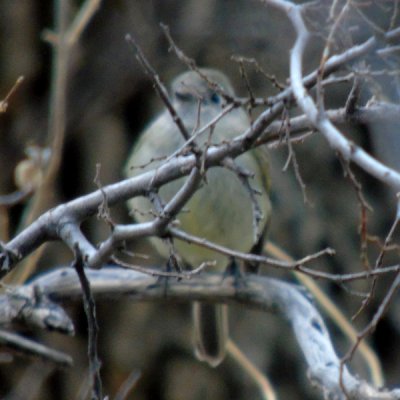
<point x="221" y="210"/>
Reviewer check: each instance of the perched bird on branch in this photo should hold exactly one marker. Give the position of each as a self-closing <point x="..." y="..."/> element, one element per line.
<point x="231" y="206"/>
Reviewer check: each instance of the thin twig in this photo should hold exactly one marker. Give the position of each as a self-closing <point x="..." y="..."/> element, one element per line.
<point x="191" y="64"/>
<point x="93" y="328"/>
<point x="160" y="88"/>
<point x="292" y="158"/>
<point x="104" y="212"/>
<point x="244" y="177"/>
<point x="4" y="102"/>
<point x="297" y="264"/>
<point x="259" y="69"/>
<point x="31" y="348"/>
<point x="128" y="385"/>
<point x="81" y="20"/>
<point x="379" y="261"/>
<point x="160" y="273"/>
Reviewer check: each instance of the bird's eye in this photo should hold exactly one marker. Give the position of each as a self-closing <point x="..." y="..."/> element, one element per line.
<point x="215" y="98"/>
<point x="183" y="96"/>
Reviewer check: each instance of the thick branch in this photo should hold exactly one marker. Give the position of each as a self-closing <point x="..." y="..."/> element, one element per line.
<point x="63" y="221"/>
<point x="261" y="293"/>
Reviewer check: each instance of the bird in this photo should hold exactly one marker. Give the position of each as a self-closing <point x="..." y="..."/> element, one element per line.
<point x="221" y="210"/>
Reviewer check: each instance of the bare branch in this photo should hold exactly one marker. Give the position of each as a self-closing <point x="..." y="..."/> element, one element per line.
<point x="262" y="293"/>
<point x="89" y="306"/>
<point x="191" y="64"/>
<point x="254" y="258"/>
<point x="4" y="102"/>
<point x="29" y="347"/>
<point x="160" y="88"/>
<point x="128" y="385"/>
<point x="81" y="20"/>
<point x="348" y="149"/>
<point x="62" y="44"/>
<point x="155" y="228"/>
<point x="63" y="221"/>
<point x="34" y="309"/>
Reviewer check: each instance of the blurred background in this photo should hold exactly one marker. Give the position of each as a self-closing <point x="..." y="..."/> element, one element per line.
<point x="109" y="102"/>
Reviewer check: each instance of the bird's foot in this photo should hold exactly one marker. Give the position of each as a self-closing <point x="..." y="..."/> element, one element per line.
<point x="235" y="271"/>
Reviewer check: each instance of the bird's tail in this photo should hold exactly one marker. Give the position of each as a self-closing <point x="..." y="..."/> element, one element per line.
<point x="210" y="332"/>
